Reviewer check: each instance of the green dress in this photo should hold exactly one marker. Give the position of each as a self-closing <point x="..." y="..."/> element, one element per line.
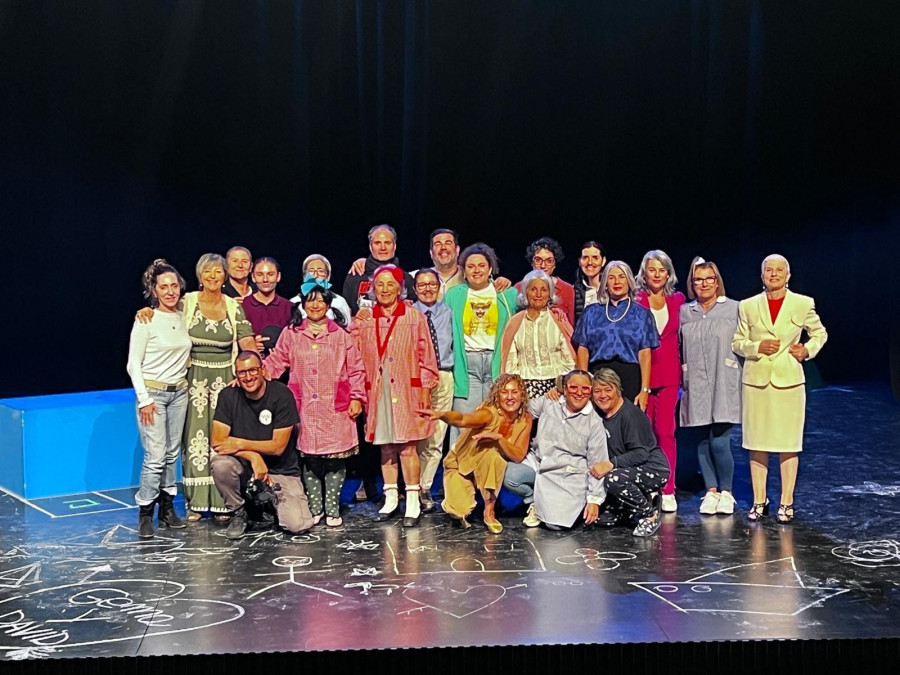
<point x="211" y="370"/>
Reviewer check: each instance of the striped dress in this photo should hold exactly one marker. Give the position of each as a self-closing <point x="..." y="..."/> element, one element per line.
<point x="711" y="370"/>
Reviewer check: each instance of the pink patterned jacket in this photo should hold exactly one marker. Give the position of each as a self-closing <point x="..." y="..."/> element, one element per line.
<point x="326" y="374"/>
<point x="412" y="364"/>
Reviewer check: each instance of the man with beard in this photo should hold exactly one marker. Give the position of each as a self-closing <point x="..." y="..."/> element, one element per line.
<point x="254" y="438"/>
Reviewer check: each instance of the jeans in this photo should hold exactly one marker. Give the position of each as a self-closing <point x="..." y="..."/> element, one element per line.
<point x="714" y="455"/>
<point x="478" y="367"/>
<point x="162" y="444"/>
<point x="519" y="479"/>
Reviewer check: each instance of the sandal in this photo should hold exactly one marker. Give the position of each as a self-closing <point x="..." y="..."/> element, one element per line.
<point x="194" y="516"/>
<point x="757" y="511"/>
<point x="222" y="517"/>
<point x="334" y="521"/>
<point x="785" y="513"/>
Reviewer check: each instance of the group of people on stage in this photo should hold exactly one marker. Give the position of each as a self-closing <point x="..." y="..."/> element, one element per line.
<point x="562" y="393"/>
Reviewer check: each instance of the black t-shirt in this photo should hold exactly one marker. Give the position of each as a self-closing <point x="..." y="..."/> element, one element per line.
<point x="257" y="420"/>
<point x="232" y="292"/>
<point x="631" y="441"/>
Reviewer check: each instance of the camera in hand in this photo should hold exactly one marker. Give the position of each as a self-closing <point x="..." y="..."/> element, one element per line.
<point x="261" y="493"/>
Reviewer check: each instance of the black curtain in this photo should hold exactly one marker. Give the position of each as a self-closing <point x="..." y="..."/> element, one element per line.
<point x="132" y="130"/>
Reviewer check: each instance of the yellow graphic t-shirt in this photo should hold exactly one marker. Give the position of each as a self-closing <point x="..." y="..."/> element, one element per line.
<point x="480" y="319"/>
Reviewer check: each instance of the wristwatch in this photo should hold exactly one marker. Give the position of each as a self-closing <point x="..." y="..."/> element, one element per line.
<point x="647" y="389"/>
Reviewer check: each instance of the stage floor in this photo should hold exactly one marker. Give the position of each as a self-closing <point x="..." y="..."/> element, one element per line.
<point x="76" y="581"/>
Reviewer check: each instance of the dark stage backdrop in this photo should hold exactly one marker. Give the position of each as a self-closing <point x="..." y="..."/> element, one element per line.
<point x="131" y="130"/>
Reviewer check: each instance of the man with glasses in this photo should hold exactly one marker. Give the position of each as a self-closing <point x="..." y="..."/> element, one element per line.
<point x="318" y="266"/>
<point x="545" y="254"/>
<point x="439" y="317"/>
<point x="254" y="438"/>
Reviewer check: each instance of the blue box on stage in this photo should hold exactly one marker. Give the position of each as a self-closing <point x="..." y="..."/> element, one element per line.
<point x="69" y="443"/>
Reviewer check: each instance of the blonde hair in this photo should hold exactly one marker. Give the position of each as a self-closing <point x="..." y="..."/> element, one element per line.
<point x="493" y="397"/>
<point x="208" y="261"/>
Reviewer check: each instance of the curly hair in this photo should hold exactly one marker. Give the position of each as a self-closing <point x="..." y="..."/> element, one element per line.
<point x="546" y="243"/>
<point x="493" y="397"/>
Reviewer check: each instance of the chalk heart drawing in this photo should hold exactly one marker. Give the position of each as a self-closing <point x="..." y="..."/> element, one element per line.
<point x="100" y="612"/>
<point x="877" y="553"/>
<point x="458" y="604"/>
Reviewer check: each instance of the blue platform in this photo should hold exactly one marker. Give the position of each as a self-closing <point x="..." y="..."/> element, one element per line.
<point x="69" y="443"/>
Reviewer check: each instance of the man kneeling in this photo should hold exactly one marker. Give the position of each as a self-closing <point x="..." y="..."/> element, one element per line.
<point x="252" y="436"/>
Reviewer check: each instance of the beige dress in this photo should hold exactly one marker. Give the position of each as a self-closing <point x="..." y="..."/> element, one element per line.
<point x="470" y="464"/>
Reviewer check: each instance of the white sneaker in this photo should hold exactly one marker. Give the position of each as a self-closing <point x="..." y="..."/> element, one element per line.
<point x="531" y="519"/>
<point x="669" y="505"/>
<point x="709" y="504"/>
<point x="726" y="503"/>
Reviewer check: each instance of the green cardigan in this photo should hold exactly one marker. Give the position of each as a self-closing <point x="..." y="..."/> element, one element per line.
<point x="455" y="299"/>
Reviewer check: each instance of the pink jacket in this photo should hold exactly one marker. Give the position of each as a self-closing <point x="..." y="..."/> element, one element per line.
<point x="326" y="374"/>
<point x="665" y="362"/>
<point x="412" y="364"/>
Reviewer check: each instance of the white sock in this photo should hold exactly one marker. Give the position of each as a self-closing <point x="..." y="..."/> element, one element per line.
<point x="413" y="508"/>
<point x="391" y="500"/>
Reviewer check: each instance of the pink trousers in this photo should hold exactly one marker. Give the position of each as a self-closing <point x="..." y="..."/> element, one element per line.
<point x="661" y="411"/>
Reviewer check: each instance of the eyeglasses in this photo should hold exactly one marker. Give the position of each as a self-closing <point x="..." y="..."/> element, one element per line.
<point x="538" y="260"/>
<point x="427" y="284"/>
<point x="705" y="281"/>
<point x="322" y="273"/>
<point x="575" y="389"/>
<point x="250" y="372"/>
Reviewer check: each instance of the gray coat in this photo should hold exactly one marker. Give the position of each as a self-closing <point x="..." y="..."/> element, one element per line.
<point x="566" y="445"/>
<point x="711" y="371"/>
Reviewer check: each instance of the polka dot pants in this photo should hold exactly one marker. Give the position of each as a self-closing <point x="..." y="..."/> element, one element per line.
<point x="324" y="479"/>
<point x="627" y="492"/>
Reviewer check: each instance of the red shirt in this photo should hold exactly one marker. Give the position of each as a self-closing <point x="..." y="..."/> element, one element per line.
<point x="276" y="313"/>
<point x="775" y="307"/>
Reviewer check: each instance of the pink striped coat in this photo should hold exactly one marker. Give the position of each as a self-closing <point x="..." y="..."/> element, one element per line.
<point x="326" y="374"/>
<point x="413" y="369"/>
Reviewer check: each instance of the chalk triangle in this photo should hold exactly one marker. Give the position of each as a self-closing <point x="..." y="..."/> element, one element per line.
<point x="21" y="576"/>
<point x="119" y="536"/>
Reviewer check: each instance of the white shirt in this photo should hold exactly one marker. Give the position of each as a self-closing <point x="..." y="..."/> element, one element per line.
<point x="661" y="316"/>
<point x="160" y="351"/>
<point x="539" y="350"/>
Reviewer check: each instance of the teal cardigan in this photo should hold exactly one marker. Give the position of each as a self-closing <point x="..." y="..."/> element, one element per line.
<point x="455" y="299"/>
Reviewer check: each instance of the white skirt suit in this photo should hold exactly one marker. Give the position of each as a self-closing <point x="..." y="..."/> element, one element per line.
<point x="774" y="395"/>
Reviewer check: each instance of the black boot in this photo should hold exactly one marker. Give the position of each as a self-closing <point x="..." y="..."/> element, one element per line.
<point x="145" y="522"/>
<point x="167" y="515"/>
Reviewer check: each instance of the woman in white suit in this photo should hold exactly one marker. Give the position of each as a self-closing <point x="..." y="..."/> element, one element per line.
<point x="768" y="337"/>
